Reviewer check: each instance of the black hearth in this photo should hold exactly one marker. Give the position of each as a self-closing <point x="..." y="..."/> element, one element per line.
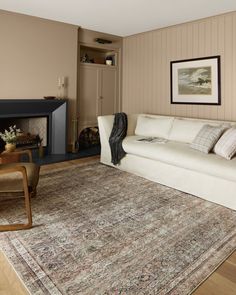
<point x="54" y="110"/>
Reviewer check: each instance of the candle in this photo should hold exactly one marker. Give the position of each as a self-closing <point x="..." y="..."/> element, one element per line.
<point x="62" y="81"/>
<point x="59" y="82"/>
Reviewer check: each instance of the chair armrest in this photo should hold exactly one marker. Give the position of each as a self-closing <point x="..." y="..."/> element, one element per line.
<point x="13" y="169"/>
<point x="20" y="169"/>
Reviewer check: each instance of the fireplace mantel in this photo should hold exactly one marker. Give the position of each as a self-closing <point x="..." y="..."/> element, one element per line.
<point x="55" y="110"/>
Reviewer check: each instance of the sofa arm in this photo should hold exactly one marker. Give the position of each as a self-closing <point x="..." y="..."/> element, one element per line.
<point x="105" y="125"/>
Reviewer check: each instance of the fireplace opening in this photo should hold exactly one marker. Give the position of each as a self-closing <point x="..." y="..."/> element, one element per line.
<point x="34" y="131"/>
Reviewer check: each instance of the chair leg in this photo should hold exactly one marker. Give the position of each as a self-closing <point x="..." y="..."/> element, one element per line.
<point x="27" y="195"/>
<point x="28" y="208"/>
<point x="12" y="227"/>
<point x="33" y="193"/>
<point x="19" y="226"/>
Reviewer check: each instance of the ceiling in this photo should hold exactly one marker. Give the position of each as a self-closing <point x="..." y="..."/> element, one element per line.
<point x="120" y="17"/>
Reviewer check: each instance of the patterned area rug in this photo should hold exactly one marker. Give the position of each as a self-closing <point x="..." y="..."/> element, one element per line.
<point x="99" y="231"/>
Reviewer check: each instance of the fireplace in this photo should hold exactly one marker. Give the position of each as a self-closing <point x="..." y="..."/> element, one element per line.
<point x="34" y="131"/>
<point x="45" y="118"/>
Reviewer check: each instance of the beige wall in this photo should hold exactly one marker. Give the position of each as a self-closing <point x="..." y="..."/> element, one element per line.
<point x="146" y="66"/>
<point x="34" y="52"/>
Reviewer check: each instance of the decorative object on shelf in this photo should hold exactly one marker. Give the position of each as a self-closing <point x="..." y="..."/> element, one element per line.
<point x="97" y="55"/>
<point x="10" y="137"/>
<point x="85" y="58"/>
<point x="61" y="87"/>
<point x="49" y="97"/>
<point x="196" y="81"/>
<point x="99" y="60"/>
<point x="109" y="60"/>
<point x="103" y="41"/>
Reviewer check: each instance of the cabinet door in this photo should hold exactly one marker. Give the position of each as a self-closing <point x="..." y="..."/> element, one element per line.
<point x="108" y="91"/>
<point x="89" y="87"/>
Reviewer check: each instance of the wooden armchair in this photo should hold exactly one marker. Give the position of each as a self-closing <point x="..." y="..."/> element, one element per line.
<point x="18" y="179"/>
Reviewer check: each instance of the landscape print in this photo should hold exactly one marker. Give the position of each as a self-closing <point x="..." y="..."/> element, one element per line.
<point x="195" y="81"/>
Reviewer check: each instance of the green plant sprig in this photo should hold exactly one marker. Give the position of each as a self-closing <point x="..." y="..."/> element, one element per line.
<point x="10" y="136"/>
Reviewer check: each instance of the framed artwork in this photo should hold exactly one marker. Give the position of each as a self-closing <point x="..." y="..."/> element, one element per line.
<point x="196" y="81"/>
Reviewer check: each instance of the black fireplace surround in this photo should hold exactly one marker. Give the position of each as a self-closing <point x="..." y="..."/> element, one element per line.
<point x="55" y="110"/>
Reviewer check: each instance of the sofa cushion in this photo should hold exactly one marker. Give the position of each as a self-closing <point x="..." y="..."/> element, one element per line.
<point x="185" y="130"/>
<point x="155" y="126"/>
<point x="182" y="155"/>
<point x="207" y="138"/>
<point x="226" y="146"/>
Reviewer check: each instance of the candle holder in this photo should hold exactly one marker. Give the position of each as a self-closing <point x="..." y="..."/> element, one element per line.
<point x="61" y="87"/>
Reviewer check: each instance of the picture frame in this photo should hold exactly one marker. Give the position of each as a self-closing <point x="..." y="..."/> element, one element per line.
<point x="196" y="81"/>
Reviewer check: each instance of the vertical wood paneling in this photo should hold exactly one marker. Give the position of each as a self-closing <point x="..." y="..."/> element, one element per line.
<point x="228" y="64"/>
<point x="214" y="51"/>
<point x="221" y="50"/>
<point x="146" y="66"/>
<point x="159" y="73"/>
<point x="234" y="67"/>
<point x="163" y="70"/>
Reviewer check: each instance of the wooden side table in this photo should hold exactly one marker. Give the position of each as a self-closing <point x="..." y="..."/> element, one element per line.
<point x="14" y="157"/>
<point x="8" y="157"/>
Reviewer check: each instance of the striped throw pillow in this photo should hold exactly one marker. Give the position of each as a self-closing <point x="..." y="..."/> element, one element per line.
<point x="207" y="138"/>
<point x="226" y="145"/>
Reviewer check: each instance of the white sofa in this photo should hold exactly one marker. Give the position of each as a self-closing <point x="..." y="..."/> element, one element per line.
<point x="173" y="163"/>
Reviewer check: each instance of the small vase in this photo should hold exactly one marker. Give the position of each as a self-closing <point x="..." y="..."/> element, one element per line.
<point x="10" y="147"/>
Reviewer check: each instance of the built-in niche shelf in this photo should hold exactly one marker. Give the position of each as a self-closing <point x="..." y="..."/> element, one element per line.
<point x="97" y="56"/>
<point x="95" y="65"/>
<point x="99" y="92"/>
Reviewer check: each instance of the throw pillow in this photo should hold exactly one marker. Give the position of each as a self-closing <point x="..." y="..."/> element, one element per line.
<point x="226" y="146"/>
<point x="207" y="138"/>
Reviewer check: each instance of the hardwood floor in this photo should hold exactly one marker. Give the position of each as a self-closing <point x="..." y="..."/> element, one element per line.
<point x="69" y="163"/>
<point x="10" y="284"/>
<point x="221" y="282"/>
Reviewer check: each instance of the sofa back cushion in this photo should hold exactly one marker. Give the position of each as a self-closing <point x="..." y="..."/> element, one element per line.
<point x="185" y="130"/>
<point x="155" y="126"/>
